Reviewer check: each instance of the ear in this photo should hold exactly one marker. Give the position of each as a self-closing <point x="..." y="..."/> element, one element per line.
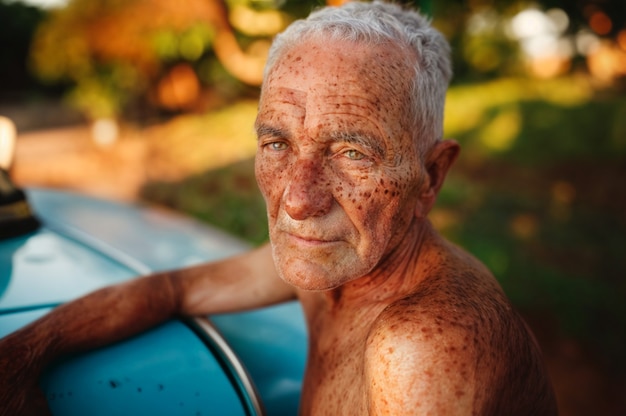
<point x="437" y="164"/>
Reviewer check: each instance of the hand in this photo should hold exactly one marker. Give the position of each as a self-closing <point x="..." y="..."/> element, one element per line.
<point x="28" y="401"/>
<point x="19" y="390"/>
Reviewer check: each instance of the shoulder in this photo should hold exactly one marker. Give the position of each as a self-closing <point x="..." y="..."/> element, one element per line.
<point x="417" y="361"/>
<point x="455" y="346"/>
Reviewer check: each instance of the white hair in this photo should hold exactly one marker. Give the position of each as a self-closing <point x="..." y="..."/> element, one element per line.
<point x="379" y="23"/>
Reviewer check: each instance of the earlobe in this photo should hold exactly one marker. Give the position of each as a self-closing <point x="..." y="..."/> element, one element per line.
<point x="437" y="164"/>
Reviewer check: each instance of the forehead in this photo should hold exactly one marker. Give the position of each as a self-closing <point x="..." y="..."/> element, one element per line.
<point x="340" y="77"/>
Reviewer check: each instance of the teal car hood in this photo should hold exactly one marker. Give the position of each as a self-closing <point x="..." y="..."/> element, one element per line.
<point x="45" y="269"/>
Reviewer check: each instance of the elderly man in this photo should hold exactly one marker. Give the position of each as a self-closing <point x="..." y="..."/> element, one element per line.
<point x="350" y="160"/>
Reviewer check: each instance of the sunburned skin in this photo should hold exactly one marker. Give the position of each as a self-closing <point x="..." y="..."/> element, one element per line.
<point x="400" y="321"/>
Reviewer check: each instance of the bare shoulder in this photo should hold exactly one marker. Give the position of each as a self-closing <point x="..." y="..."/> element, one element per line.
<point x="455" y="346"/>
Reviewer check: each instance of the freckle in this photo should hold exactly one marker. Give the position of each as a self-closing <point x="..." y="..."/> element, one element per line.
<point x="459" y="394"/>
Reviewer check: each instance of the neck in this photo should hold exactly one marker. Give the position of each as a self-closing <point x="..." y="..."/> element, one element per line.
<point x="393" y="278"/>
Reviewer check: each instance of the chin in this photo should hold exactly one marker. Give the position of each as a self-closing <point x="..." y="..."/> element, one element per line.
<point x="312" y="277"/>
<point x="309" y="281"/>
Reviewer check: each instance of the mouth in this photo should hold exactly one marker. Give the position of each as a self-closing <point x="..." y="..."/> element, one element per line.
<point x="319" y="233"/>
<point x="309" y="240"/>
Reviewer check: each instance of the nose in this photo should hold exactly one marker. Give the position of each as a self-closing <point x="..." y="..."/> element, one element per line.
<point x="308" y="192"/>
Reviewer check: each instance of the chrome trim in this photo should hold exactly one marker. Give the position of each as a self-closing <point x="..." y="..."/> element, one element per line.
<point x="211" y="335"/>
<point x="202" y="326"/>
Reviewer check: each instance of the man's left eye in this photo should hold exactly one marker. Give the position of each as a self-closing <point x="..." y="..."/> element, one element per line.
<point x="354" y="154"/>
<point x="278" y="145"/>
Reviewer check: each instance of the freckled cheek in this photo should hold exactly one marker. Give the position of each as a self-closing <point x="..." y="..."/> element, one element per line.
<point x="270" y="180"/>
<point x="365" y="204"/>
<point x="386" y="210"/>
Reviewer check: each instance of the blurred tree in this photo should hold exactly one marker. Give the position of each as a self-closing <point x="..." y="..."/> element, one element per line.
<point x="120" y="51"/>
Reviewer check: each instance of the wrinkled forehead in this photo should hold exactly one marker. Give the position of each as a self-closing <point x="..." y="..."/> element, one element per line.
<point x="379" y="73"/>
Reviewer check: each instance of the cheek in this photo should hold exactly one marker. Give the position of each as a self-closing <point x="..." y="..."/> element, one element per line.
<point x="390" y="207"/>
<point x="269" y="179"/>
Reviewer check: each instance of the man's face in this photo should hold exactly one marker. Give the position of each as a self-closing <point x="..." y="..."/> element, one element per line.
<point x="336" y="163"/>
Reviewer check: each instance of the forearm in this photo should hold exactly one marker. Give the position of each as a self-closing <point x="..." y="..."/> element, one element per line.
<point x="243" y="282"/>
<point x="100" y="318"/>
<point x="117" y="312"/>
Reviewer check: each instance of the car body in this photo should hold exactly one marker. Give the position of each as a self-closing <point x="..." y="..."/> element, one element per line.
<point x="245" y="363"/>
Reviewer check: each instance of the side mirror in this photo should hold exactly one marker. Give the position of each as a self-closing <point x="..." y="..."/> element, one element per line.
<point x="8" y="134"/>
<point x="16" y="217"/>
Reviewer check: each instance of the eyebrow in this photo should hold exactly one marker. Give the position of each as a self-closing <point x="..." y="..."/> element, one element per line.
<point x="263" y="130"/>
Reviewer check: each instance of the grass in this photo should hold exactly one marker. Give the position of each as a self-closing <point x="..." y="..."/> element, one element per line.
<point x="537" y="195"/>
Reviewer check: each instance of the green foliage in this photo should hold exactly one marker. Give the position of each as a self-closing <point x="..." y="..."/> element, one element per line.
<point x="227" y="197"/>
<point x="188" y="44"/>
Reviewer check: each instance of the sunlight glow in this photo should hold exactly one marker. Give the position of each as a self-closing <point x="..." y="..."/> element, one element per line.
<point x="541" y="33"/>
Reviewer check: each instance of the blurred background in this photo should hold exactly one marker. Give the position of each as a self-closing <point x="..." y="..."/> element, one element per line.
<point x="153" y="101"/>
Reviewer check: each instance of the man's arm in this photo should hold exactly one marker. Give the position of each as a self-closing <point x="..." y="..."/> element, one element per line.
<point x="117" y="312"/>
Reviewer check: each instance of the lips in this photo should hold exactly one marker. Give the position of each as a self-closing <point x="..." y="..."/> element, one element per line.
<point x="309" y="239"/>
